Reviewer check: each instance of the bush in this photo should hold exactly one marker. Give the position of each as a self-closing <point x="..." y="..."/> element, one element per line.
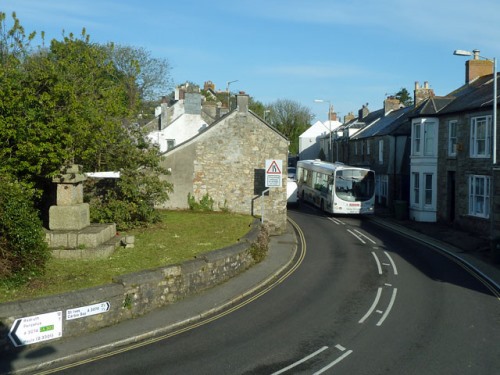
<point x="205" y="204"/>
<point x="23" y="250"/>
<point x="260" y="247"/>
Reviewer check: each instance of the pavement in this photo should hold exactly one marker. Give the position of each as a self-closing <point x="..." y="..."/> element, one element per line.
<point x="470" y="250"/>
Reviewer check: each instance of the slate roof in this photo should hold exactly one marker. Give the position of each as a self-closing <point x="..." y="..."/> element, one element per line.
<point x="476" y="95"/>
<point x="386" y="125"/>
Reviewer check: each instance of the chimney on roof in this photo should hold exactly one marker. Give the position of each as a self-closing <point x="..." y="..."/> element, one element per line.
<point x="476" y="67"/>
<point x="242" y="102"/>
<point x="422" y="93"/>
<point x="348" y="117"/>
<point x="391" y="103"/>
<point x="363" y="112"/>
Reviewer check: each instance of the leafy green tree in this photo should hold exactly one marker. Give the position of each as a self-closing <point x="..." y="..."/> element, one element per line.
<point x="23" y="250"/>
<point x="291" y="119"/>
<point x="404" y="97"/>
<point x="71" y="103"/>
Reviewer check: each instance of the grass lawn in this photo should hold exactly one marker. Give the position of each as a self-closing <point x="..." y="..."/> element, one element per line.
<point x="179" y="237"/>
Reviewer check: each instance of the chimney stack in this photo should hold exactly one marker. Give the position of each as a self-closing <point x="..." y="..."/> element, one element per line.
<point x="348" y="117"/>
<point x="242" y="102"/>
<point x="476" y="67"/>
<point x="391" y="104"/>
<point x="422" y="93"/>
<point x="363" y="112"/>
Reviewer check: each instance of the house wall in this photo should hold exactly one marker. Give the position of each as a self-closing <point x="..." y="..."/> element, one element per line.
<point x="227" y="162"/>
<point x="453" y="202"/>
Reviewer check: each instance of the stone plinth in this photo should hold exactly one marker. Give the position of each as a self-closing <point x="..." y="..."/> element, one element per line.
<point x="74" y="217"/>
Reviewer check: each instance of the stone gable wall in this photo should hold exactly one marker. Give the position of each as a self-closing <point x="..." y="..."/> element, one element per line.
<point x="227" y="162"/>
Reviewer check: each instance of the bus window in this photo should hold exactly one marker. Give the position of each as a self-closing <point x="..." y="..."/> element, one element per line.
<point x="354" y="185"/>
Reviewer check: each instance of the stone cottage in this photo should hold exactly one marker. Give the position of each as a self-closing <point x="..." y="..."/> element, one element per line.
<point x="226" y="161"/>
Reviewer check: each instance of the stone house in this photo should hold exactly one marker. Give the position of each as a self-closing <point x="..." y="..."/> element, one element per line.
<point x="226" y="161"/>
<point x="467" y="179"/>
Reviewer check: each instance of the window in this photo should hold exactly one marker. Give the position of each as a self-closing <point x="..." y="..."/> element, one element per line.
<point x="170" y="144"/>
<point x="355" y="148"/>
<point x="368" y="147"/>
<point x="416" y="138"/>
<point x="480" y="136"/>
<point x="479" y="196"/>
<point x="429" y="137"/>
<point x="452" y="138"/>
<point x="381" y="151"/>
<point x="428" y="189"/>
<point x="416" y="188"/>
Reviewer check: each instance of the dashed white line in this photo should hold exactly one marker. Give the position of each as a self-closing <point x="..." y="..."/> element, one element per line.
<point x="374" y="304"/>
<point x="365" y="236"/>
<point x="301" y="361"/>
<point x="336" y="221"/>
<point x="391" y="303"/>
<point x="343" y="356"/>
<point x="355" y="235"/>
<point x="392" y="263"/>
<point x="379" y="267"/>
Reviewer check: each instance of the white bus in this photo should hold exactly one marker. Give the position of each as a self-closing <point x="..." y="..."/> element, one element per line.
<point x="335" y="187"/>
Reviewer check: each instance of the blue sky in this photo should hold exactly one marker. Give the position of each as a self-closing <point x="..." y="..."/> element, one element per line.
<point x="346" y="52"/>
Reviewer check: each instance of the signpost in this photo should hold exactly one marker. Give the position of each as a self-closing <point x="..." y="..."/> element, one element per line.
<point x="274" y="173"/>
<point x="82" y="312"/>
<point x="37" y="328"/>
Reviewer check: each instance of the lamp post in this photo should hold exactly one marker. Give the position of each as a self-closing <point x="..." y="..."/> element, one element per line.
<point x="228" y="94"/>
<point x="476" y="55"/>
<point x="330" y="153"/>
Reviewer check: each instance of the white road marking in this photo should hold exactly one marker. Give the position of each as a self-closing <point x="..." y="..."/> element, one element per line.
<point x="343" y="356"/>
<point x="365" y="236"/>
<point x="379" y="267"/>
<point x="355" y="235"/>
<point x="391" y="303"/>
<point x="392" y="263"/>
<point x="336" y="221"/>
<point x="377" y="298"/>
<point x="301" y="361"/>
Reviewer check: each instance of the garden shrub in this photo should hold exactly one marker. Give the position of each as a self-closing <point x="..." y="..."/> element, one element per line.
<point x="259" y="248"/>
<point x="23" y="250"/>
<point x="206" y="203"/>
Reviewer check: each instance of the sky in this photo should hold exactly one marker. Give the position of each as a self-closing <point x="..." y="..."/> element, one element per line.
<point x="347" y="53"/>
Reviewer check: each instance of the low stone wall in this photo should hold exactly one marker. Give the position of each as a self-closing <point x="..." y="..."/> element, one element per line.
<point x="131" y="295"/>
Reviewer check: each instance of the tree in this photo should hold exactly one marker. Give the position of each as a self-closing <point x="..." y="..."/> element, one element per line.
<point x="404" y="97"/>
<point x="69" y="104"/>
<point x="291" y="119"/>
<point x="152" y="75"/>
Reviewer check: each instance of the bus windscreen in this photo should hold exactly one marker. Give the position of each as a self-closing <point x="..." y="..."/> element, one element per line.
<point x="354" y="185"/>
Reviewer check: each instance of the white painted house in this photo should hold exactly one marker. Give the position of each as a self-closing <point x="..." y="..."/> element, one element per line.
<point x="309" y="141"/>
<point x="178" y="123"/>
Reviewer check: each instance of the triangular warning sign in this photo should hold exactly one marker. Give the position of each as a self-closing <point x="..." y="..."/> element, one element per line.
<point x="273" y="168"/>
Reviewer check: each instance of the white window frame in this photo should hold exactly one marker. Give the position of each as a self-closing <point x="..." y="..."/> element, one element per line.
<point x="477" y="139"/>
<point x="381" y="151"/>
<point x="479" y="196"/>
<point x="452" y="137"/>
<point x="416" y="188"/>
<point x="429" y="136"/>
<point x="416" y="134"/>
<point x="428" y="179"/>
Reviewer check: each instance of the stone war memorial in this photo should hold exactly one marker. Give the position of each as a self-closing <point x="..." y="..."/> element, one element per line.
<point x="70" y="234"/>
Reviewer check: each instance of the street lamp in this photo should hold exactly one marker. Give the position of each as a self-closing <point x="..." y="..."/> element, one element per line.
<point x="228" y="95"/>
<point x="475" y="53"/>
<point x="330" y="153"/>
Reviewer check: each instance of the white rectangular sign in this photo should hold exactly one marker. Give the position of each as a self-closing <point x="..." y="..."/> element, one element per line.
<point x="82" y="312"/>
<point x="37" y="328"/>
<point x="274" y="172"/>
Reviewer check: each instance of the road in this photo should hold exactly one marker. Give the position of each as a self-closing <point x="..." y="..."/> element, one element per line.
<point x="363" y="301"/>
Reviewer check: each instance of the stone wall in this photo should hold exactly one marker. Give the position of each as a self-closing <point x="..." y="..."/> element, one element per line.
<point x="136" y="294"/>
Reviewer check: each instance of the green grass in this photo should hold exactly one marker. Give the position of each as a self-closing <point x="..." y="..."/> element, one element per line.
<point x="180" y="236"/>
